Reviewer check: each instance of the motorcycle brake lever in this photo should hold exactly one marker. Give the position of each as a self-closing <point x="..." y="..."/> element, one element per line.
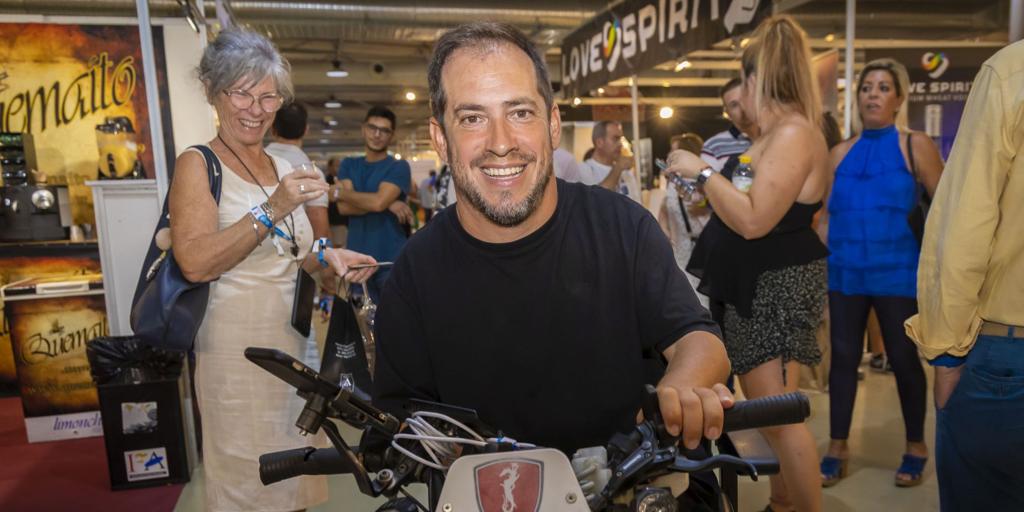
<point x="648" y="456"/>
<point x="742" y="467"/>
<point x="652" y="414"/>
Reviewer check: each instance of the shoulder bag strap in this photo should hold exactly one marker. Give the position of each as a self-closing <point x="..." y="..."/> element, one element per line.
<point x="686" y="218"/>
<point x="213" y="170"/>
<point x="910" y="154"/>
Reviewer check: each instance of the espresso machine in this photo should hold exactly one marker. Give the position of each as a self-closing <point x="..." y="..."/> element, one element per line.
<point x="31" y="207"/>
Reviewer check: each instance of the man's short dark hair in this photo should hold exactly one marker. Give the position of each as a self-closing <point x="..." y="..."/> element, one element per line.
<point x="601" y="129"/>
<point x="483" y="35"/>
<point x="730" y="85"/>
<point x="379" y="111"/>
<point x="290" y="121"/>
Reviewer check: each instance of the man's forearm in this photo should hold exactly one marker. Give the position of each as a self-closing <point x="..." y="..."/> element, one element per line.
<point x="349" y="209"/>
<point x="366" y="201"/>
<point x="697" y="360"/>
<point x="611" y="181"/>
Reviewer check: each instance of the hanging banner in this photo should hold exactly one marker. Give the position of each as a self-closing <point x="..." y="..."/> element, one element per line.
<point x="940" y="80"/>
<point x="59" y="83"/>
<point x="638" y="35"/>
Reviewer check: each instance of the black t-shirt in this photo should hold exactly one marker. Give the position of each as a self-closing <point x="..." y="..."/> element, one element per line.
<point x="549" y="338"/>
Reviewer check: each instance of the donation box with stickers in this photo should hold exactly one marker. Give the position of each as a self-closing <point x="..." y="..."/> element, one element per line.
<point x="50" y="322"/>
<point x="143" y="414"/>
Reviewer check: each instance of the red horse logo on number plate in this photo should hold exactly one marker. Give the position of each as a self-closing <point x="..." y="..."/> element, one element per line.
<point x="509" y="485"/>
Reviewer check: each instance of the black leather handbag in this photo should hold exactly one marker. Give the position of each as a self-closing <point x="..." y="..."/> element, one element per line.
<point x="168" y="309"/>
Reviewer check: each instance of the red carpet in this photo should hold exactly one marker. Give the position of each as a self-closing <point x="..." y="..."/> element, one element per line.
<point x="64" y="475"/>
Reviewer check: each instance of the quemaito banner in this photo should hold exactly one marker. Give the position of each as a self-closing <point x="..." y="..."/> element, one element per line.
<point x="637" y="35"/>
<point x="58" y="82"/>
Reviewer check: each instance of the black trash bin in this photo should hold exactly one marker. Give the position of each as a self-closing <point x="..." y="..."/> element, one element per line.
<point x="143" y="426"/>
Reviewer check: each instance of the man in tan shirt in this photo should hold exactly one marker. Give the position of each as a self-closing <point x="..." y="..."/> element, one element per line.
<point x="971" y="296"/>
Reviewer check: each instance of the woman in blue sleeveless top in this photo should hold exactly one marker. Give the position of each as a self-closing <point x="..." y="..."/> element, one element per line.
<point x="873" y="262"/>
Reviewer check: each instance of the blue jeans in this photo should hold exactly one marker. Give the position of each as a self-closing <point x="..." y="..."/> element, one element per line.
<point x="979" y="439"/>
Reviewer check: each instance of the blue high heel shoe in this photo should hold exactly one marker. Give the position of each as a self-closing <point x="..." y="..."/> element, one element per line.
<point x="912" y="465"/>
<point x="833" y="469"/>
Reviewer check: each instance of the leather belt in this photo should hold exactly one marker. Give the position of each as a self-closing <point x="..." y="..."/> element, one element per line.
<point x="1002" y="330"/>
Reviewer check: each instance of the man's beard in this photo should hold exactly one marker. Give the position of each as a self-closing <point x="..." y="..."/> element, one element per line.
<point x="505" y="213"/>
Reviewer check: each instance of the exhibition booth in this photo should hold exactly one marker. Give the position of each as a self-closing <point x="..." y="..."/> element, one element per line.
<point x="94" y="110"/>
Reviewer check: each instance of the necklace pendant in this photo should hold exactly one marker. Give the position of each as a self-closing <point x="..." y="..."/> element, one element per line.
<point x="295" y="250"/>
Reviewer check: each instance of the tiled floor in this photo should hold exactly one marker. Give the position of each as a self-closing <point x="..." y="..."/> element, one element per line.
<point x="876" y="443"/>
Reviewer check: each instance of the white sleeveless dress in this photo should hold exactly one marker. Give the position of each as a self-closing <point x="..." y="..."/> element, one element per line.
<point x="246" y="411"/>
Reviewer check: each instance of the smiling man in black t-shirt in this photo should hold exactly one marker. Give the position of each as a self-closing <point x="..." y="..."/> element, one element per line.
<point x="543" y="305"/>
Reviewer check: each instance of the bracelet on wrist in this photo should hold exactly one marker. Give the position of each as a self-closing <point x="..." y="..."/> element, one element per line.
<point x="261" y="216"/>
<point x="258" y="214"/>
<point x="269" y="211"/>
<point x="321" y="245"/>
<point x="704" y="175"/>
<point x="256" y="230"/>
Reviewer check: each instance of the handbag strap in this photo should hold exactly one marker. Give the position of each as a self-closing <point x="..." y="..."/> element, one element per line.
<point x="922" y="192"/>
<point x="214" y="173"/>
<point x="213" y="170"/>
<point x="686" y="218"/>
<point x="910" y="154"/>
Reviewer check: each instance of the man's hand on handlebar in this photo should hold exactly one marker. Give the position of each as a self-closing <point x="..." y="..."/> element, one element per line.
<point x="693" y="412"/>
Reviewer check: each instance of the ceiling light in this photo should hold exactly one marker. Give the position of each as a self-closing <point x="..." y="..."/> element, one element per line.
<point x="665" y="112"/>
<point x="324" y="141"/>
<point x="577" y="101"/>
<point x="332" y="122"/>
<point x="398" y="156"/>
<point x="411" y="96"/>
<point x="683" y="64"/>
<point x="332" y="103"/>
<point x="665" y="84"/>
<point x="744" y="42"/>
<point x="830" y="37"/>
<point x="337" y="72"/>
<point x="600" y="90"/>
<point x="327" y="130"/>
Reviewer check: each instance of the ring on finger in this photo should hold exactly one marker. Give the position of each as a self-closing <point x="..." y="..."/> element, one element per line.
<point x="302" y="189"/>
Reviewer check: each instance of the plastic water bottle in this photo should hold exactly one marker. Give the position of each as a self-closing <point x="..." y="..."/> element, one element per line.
<point x="743" y="176"/>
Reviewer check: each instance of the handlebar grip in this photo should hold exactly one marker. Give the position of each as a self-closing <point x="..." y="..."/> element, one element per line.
<point x="277" y="466"/>
<point x="767" y="412"/>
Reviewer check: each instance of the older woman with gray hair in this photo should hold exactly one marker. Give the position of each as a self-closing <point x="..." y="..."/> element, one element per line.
<point x="249" y="246"/>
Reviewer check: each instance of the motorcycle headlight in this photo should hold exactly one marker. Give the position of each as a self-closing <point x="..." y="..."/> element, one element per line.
<point x="43" y="199"/>
<point x="655" y="499"/>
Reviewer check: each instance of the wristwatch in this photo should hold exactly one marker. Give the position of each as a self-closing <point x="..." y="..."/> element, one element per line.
<point x="704" y="175"/>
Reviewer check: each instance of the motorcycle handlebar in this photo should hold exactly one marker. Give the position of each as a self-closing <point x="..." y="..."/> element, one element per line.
<point x="277" y="466"/>
<point x="767" y="411"/>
